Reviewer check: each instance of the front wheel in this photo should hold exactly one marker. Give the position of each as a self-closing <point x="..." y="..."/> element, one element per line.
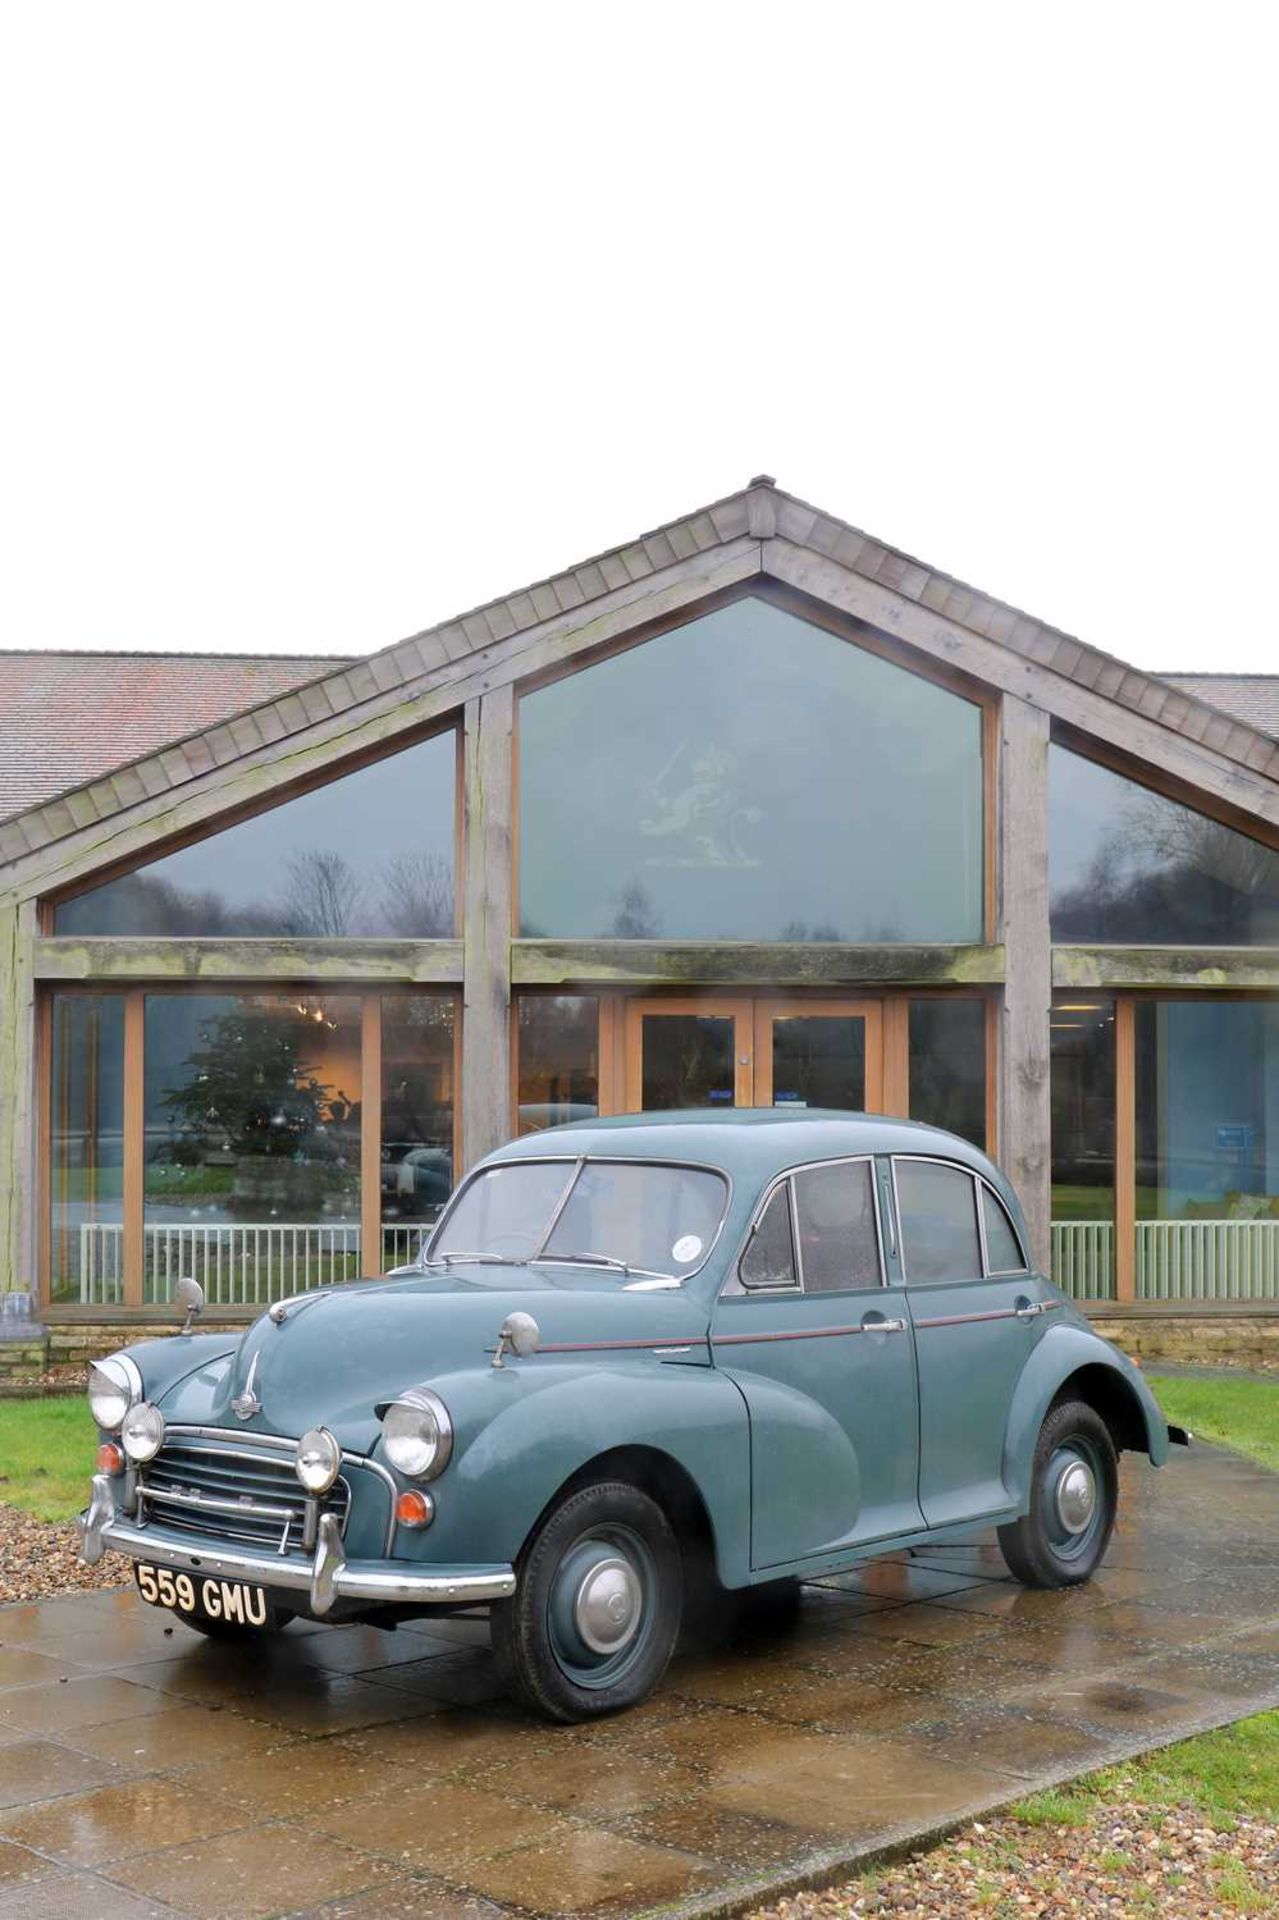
<point x="595" y="1617"/>
<point x="1074" y="1494"/>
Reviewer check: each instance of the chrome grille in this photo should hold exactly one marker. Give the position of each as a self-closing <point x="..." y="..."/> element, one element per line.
<point x="233" y="1493"/>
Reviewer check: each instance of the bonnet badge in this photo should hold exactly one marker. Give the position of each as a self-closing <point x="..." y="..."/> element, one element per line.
<point x="246" y="1404"/>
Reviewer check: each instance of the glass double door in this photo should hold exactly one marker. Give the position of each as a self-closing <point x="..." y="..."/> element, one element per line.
<point x="753" y="1051"/>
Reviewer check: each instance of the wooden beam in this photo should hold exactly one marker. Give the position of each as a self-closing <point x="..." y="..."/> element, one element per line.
<point x="1177" y="754"/>
<point x="1025" y="1113"/>
<point x="1125" y="1150"/>
<point x="1199" y="969"/>
<point x="389" y="962"/>
<point x="486" y="1028"/>
<point x="731" y="963"/>
<point x="133" y="1238"/>
<point x="371" y="1133"/>
<point x="18" y="1127"/>
<point x="896" y="1043"/>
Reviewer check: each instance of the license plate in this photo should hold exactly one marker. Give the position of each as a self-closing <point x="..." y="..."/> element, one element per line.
<point x="204" y="1595"/>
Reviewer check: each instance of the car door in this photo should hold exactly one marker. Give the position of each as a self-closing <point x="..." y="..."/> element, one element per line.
<point x="977" y="1312"/>
<point x="819" y="1344"/>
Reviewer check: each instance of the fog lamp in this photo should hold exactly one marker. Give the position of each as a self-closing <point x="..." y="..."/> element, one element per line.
<point x="109" y="1458"/>
<point x="142" y="1434"/>
<point x="415" y="1508"/>
<point x="318" y="1459"/>
<point x="115" y="1385"/>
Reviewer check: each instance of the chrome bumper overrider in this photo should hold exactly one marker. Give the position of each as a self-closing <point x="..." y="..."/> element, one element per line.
<point x="326" y="1578"/>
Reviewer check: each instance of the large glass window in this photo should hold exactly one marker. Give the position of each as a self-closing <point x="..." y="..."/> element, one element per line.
<point x="559" y="1059"/>
<point x="948" y="1066"/>
<point x="750" y="776"/>
<point x="1082" y="1033"/>
<point x="418" y="1096"/>
<point x="1207" y="1200"/>
<point x="251" y="1143"/>
<point x="86" y="1162"/>
<point x="367" y="855"/>
<point x="1129" y="865"/>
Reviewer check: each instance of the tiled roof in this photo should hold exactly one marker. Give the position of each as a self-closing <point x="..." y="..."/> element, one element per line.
<point x="757" y="516"/>
<point x="1250" y="697"/>
<point x="67" y="718"/>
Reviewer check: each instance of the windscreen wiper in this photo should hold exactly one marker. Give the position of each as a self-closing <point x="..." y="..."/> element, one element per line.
<point x="606" y="1260"/>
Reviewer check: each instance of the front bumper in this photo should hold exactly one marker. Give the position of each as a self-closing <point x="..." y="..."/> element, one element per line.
<point x="326" y="1579"/>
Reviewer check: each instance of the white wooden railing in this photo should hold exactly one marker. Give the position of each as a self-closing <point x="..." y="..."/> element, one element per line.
<point x="1083" y="1258"/>
<point x="1208" y="1259"/>
<point x="1174" y="1259"/>
<point x="242" y="1265"/>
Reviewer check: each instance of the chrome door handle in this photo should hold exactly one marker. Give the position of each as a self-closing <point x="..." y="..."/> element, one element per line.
<point x="1028" y="1310"/>
<point x="883" y="1326"/>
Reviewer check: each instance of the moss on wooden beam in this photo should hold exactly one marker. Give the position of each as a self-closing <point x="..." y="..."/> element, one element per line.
<point x="734" y="963"/>
<point x="391" y="962"/>
<point x="1201" y="967"/>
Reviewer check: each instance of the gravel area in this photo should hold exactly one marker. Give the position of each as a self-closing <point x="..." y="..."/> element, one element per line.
<point x="1129" y="1860"/>
<point x="41" y="1558"/>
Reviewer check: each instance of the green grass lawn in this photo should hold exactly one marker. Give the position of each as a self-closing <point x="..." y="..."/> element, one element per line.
<point x="1243" y="1414"/>
<point x="1227" y="1773"/>
<point x="46" y="1455"/>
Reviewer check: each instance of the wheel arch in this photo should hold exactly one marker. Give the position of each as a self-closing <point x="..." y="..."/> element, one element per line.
<point x="1075" y="1362"/>
<point x="664" y="1479"/>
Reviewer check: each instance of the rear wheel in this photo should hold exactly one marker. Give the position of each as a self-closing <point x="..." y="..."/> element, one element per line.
<point x="596" y="1613"/>
<point x="1074" y="1497"/>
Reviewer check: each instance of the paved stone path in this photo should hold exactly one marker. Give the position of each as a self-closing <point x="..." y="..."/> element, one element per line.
<point x="348" y="1772"/>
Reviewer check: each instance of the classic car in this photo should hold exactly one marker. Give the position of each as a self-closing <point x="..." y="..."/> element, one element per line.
<point x="745" y="1348"/>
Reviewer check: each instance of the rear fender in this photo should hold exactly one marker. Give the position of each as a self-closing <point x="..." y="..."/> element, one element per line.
<point x="1063" y="1352"/>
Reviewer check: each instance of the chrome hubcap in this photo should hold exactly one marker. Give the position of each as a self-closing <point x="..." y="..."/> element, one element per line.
<point x="607" y="1606"/>
<point x="1076" y="1496"/>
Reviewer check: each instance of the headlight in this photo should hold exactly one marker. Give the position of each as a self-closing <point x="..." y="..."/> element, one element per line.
<point x="115" y="1385"/>
<point x="317" y="1461"/>
<point x="142" y="1434"/>
<point x="418" y="1434"/>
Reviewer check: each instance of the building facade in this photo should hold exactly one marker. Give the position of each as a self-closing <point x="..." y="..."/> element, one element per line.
<point x="752" y="810"/>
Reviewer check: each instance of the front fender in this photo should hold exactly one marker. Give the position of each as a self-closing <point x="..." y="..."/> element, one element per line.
<point x="1063" y="1351"/>
<point x="524" y="1430"/>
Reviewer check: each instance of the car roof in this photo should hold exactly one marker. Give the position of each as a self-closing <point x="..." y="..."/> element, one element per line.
<point x="748" y="1141"/>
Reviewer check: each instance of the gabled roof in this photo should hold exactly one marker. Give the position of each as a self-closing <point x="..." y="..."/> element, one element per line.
<point x="760" y="516"/>
<point x="68" y="718"/>
<point x="1250" y="697"/>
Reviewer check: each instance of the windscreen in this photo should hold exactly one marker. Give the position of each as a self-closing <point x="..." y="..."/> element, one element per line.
<point x="637" y="1215"/>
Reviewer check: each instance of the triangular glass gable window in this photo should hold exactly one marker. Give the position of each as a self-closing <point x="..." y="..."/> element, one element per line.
<point x="1129" y="866"/>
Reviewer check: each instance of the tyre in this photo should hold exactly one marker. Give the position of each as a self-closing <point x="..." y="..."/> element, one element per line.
<point x="1074" y="1495"/>
<point x="596" y="1613"/>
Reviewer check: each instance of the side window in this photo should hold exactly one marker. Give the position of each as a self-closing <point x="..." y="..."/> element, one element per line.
<point x="769" y="1259"/>
<point x="838" y="1242"/>
<point x="938" y="1213"/>
<point x="1003" y="1249"/>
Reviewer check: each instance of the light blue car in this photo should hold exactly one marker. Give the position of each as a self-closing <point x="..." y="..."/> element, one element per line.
<point x="637" y="1355"/>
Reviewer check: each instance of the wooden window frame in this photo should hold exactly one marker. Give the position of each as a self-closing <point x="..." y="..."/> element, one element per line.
<point x="133" y="1118"/>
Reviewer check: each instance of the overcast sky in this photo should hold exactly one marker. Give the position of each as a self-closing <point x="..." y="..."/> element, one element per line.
<point x="324" y="323"/>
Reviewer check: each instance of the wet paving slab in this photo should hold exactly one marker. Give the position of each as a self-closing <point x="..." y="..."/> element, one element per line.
<point x="353" y="1773"/>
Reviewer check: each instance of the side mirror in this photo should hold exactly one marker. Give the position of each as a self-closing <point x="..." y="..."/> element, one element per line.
<point x="189" y="1293"/>
<point x="520" y="1335"/>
